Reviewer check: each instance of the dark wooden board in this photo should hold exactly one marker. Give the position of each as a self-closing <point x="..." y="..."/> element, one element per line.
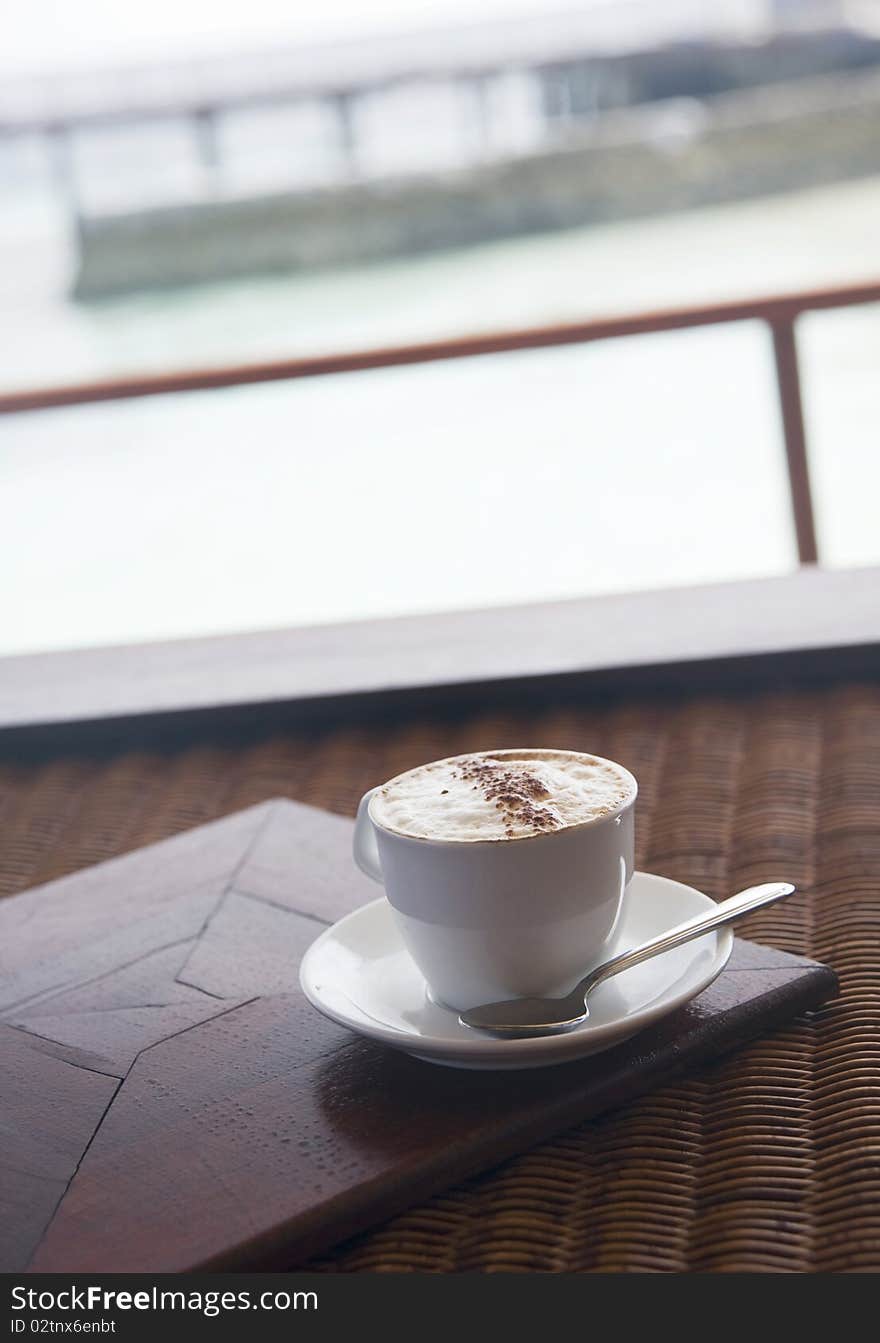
<point x="171" y="1101"/>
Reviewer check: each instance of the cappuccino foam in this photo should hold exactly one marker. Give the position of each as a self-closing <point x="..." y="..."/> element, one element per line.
<point x="495" y="795"/>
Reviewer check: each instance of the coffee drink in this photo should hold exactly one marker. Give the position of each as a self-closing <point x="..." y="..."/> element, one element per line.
<point x="501" y="795"/>
<point x="505" y="871"/>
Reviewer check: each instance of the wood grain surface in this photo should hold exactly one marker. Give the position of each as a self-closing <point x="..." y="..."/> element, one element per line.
<point x="171" y="1101"/>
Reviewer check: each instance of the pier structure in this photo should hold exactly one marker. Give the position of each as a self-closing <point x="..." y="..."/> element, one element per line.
<point x="570" y="69"/>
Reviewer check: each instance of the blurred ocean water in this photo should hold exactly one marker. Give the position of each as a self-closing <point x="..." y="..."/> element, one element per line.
<point x="648" y="461"/>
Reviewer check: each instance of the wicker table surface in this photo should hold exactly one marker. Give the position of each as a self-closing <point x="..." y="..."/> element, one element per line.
<point x="766" y="1161"/>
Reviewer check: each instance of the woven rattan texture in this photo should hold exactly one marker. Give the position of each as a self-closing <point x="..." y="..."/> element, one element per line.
<point x="769" y="1160"/>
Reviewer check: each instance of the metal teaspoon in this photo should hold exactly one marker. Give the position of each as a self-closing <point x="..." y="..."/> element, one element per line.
<point x="551" y="1016"/>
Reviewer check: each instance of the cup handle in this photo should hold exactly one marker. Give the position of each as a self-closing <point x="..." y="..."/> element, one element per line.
<point x="364" y="846"/>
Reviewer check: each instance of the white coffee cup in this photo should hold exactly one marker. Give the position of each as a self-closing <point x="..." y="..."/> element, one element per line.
<point x="503" y="918"/>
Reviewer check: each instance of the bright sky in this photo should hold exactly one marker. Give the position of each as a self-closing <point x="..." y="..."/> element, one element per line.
<point x="41" y="35"/>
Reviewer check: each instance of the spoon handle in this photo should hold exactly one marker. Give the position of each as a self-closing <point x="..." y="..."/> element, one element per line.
<point x="724" y="912"/>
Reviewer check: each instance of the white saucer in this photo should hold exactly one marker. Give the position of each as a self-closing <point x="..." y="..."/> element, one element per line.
<point x="359" y="974"/>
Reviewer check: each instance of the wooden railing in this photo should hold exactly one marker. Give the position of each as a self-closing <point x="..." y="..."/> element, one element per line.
<point x="778" y="312"/>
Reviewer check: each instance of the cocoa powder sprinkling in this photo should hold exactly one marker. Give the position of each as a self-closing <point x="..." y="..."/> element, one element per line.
<point x="517" y="794"/>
